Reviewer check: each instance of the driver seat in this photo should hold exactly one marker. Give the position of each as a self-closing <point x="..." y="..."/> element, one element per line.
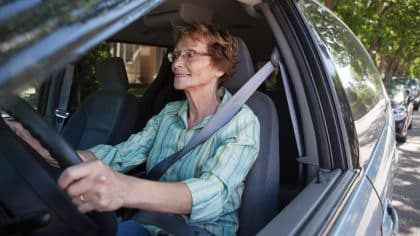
<point x="107" y="116"/>
<point x="260" y="199"/>
<point x="261" y="194"/>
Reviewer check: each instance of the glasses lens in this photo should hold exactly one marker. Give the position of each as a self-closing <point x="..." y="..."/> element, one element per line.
<point x="190" y="54"/>
<point x="187" y="55"/>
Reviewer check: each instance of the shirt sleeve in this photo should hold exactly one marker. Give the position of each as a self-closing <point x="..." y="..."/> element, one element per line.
<point x="224" y="172"/>
<point x="131" y="153"/>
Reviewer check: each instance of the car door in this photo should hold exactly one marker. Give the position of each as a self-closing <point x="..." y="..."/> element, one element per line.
<point x="356" y="159"/>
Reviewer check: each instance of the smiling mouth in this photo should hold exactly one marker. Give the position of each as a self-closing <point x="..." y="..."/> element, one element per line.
<point x="181" y="75"/>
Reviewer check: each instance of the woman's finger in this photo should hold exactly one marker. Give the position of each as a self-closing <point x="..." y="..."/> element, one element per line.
<point x="76" y="172"/>
<point x="80" y="187"/>
<point x="85" y="207"/>
<point x="80" y="199"/>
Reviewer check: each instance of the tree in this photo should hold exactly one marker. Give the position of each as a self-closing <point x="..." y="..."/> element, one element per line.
<point x="388" y="29"/>
<point x="85" y="74"/>
<point x="331" y="4"/>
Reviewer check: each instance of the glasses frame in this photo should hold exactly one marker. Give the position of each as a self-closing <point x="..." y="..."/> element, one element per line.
<point x="186" y="55"/>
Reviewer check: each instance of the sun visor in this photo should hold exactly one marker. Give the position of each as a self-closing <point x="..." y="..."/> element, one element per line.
<point x="187" y="13"/>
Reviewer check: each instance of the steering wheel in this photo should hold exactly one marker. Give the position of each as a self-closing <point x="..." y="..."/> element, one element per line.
<point x="62" y="152"/>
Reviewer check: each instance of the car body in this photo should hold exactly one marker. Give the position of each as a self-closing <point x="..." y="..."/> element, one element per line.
<point x="402" y="108"/>
<point x="411" y="84"/>
<point x="336" y="139"/>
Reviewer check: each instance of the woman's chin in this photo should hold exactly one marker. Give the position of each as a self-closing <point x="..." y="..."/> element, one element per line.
<point x="179" y="85"/>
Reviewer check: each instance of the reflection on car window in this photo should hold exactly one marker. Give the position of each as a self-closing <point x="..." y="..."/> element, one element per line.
<point x="30" y="93"/>
<point x="355" y="72"/>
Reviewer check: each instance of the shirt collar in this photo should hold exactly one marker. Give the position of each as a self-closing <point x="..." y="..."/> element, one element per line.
<point x="183" y="111"/>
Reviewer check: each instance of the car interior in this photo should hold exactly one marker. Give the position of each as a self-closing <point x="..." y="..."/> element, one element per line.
<point x="254" y="51"/>
<point x="111" y="114"/>
<point x="106" y="116"/>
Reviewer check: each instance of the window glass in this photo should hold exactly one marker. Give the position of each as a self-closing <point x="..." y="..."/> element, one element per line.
<point x="142" y="64"/>
<point x="355" y="72"/>
<point x="30" y="93"/>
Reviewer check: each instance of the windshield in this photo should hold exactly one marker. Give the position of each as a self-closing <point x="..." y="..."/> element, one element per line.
<point x="35" y="40"/>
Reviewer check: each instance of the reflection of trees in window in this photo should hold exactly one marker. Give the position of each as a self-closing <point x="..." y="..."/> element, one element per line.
<point x="46" y="17"/>
<point x="357" y="73"/>
<point x="85" y="73"/>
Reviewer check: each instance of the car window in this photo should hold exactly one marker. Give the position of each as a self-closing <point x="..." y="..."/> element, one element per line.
<point x="30" y="93"/>
<point x="142" y="63"/>
<point x="355" y="72"/>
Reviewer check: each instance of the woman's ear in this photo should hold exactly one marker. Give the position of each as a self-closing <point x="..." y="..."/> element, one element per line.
<point x="219" y="74"/>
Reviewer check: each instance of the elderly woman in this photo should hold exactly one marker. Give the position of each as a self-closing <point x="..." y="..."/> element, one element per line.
<point x="206" y="184"/>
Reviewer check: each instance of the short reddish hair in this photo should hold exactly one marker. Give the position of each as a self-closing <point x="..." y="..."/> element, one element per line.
<point x="222" y="46"/>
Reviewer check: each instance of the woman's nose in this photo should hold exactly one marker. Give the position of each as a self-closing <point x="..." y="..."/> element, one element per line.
<point x="177" y="62"/>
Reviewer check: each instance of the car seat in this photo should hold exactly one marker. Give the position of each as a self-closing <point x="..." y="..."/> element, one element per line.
<point x="108" y="116"/>
<point x="261" y="194"/>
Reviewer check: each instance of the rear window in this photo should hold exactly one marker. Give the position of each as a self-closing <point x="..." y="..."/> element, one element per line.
<point x="142" y="63"/>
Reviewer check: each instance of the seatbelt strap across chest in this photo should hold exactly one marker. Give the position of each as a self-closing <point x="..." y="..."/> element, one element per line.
<point x="219" y="119"/>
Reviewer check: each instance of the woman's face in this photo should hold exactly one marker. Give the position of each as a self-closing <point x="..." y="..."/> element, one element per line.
<point x="193" y="68"/>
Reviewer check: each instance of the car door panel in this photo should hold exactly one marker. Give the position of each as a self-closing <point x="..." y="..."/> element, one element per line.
<point x="381" y="166"/>
<point x="342" y="203"/>
<point x="362" y="214"/>
<point x="296" y="215"/>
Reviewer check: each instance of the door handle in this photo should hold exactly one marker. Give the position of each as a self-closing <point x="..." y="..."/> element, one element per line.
<point x="394" y="217"/>
<point x="390" y="221"/>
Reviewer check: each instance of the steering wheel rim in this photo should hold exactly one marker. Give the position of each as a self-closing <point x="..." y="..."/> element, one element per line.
<point x="47" y="135"/>
<point x="58" y="147"/>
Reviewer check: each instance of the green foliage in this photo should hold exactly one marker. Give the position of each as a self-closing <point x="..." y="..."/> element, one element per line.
<point x="388" y="29"/>
<point x="85" y="75"/>
<point x="137" y="91"/>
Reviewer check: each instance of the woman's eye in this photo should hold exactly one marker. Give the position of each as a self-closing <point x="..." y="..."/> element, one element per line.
<point x="190" y="54"/>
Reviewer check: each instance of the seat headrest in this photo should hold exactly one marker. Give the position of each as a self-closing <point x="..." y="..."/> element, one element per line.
<point x="111" y="74"/>
<point x="244" y="68"/>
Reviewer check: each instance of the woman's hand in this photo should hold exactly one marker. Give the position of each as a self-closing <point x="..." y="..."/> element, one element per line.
<point x="92" y="185"/>
<point x="24" y="134"/>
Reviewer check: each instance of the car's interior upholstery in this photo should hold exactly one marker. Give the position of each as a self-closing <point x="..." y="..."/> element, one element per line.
<point x="107" y="116"/>
<point x="261" y="195"/>
<point x="289" y="184"/>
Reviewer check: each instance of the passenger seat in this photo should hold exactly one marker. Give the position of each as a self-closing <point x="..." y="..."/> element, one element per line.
<point x="107" y="116"/>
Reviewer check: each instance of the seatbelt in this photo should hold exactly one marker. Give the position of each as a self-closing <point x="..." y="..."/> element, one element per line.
<point x="61" y="113"/>
<point x="220" y="118"/>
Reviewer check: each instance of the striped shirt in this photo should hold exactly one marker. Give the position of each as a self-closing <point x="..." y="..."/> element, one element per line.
<point x="214" y="171"/>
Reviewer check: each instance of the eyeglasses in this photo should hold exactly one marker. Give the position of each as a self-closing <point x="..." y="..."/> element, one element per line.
<point x="187" y="55"/>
